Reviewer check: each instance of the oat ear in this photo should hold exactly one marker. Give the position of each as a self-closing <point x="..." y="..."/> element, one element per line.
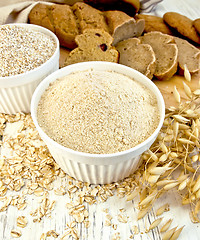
<point x="128" y="29"/>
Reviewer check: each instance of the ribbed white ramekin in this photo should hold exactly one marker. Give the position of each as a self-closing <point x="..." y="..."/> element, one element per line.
<point x="16" y="91"/>
<point x="97" y="168"/>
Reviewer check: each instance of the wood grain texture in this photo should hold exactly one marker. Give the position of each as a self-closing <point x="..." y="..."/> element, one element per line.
<point x="97" y="216"/>
<point x="167" y="88"/>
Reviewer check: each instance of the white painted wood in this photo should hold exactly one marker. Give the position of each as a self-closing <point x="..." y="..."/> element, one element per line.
<point x="97" y="229"/>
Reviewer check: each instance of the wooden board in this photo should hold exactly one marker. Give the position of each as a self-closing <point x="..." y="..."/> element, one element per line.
<point x="97" y="229"/>
<point x="167" y="88"/>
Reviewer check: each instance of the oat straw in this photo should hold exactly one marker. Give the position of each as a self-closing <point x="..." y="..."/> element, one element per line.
<point x="162" y="209"/>
<point x="166" y="226"/>
<point x="187" y="74"/>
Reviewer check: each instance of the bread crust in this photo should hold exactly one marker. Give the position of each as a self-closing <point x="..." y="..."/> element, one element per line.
<point x="89" y="17"/>
<point x="57" y="18"/>
<point x="115" y="18"/>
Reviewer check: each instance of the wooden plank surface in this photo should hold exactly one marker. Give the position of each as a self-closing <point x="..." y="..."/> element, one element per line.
<point x="97" y="215"/>
<point x="60" y="215"/>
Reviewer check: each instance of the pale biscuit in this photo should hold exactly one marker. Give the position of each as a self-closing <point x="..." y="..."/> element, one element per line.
<point x="182" y="24"/>
<point x="196" y="24"/>
<point x="154" y="23"/>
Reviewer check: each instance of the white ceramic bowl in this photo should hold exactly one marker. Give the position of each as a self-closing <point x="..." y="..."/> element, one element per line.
<point x="16" y="91"/>
<point x="97" y="168"/>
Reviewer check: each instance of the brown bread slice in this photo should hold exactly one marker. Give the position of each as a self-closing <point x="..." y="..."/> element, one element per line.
<point x="188" y="55"/>
<point x="93" y="45"/>
<point x="121" y="26"/>
<point x="39" y="15"/>
<point x="64" y="24"/>
<point x="138" y="56"/>
<point x="166" y="53"/>
<point x="115" y="18"/>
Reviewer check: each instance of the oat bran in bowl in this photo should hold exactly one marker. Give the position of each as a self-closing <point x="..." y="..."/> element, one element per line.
<point x="29" y="53"/>
<point x="97" y="118"/>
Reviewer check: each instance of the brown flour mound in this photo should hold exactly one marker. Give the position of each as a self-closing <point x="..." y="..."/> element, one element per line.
<point x="98" y="112"/>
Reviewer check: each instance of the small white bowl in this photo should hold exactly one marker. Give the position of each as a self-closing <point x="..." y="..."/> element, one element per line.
<point x="97" y="168"/>
<point x="16" y="91"/>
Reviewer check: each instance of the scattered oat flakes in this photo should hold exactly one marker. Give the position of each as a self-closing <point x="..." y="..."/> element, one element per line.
<point x="135" y="229"/>
<point x="122" y="218"/>
<point x="22" y="221"/>
<point x="52" y="233"/>
<point x="16" y="233"/>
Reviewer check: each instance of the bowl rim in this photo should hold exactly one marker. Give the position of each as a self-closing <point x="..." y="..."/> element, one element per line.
<point x="22" y="78"/>
<point x="90" y="65"/>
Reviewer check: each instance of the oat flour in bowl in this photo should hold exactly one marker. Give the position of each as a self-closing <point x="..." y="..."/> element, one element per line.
<point x="98" y="112"/>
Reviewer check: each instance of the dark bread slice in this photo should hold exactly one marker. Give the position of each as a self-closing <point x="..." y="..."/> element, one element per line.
<point x="138" y="56"/>
<point x="115" y="18"/>
<point x="166" y="53"/>
<point x="121" y="26"/>
<point x="188" y="55"/>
